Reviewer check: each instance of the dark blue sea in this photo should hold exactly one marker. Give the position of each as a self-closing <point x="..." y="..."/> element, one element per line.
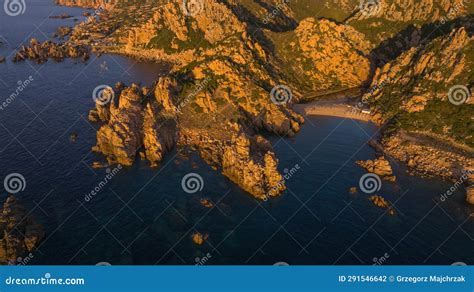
<point x="143" y="216"/>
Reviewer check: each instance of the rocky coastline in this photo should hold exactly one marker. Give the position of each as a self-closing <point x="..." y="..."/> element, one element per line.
<point x="149" y="122"/>
<point x="21" y="234"/>
<point x="223" y="121"/>
<point x="41" y="52"/>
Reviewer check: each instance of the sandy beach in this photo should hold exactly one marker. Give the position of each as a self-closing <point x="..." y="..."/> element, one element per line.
<point x="339" y="108"/>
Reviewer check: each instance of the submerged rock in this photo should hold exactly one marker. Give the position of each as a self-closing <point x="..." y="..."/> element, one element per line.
<point x="73" y="137"/>
<point x="199" y="238"/>
<point x="206" y="203"/>
<point x="60" y="16"/>
<point x="353" y="190"/>
<point x="20" y="233"/>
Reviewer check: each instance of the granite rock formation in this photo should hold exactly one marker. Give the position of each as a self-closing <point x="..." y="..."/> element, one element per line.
<point x="41" y="52"/>
<point x="20" y="233"/>
<point x="379" y="166"/>
<point x="218" y="92"/>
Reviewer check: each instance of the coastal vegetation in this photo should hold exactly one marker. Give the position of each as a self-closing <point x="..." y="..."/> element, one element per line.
<point x="410" y="59"/>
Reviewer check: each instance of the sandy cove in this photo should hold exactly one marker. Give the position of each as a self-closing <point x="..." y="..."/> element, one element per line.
<point x="332" y="109"/>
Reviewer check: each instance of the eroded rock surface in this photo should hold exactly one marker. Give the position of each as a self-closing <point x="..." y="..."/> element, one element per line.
<point x="20" y="233"/>
<point x="379" y="166"/>
<point x="411" y="10"/>
<point x="426" y="159"/>
<point x="333" y="53"/>
<point x="41" y="52"/>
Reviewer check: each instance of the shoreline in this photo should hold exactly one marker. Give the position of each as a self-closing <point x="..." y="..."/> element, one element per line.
<point x="341" y="108"/>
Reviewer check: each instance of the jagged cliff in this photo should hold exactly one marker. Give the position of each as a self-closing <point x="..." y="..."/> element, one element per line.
<point x="408" y="10"/>
<point x="331" y="54"/>
<point x="419" y="82"/>
<point x="424" y="97"/>
<point x="153" y="121"/>
<point x="227" y="58"/>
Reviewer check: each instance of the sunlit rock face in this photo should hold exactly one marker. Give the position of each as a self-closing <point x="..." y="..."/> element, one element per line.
<point x="20" y="233"/>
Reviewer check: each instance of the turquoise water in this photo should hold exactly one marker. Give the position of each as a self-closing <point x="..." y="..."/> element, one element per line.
<point x="142" y="216"/>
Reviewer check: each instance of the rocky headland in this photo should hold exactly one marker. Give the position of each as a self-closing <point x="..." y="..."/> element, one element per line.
<point x="20" y="233"/>
<point x="217" y="98"/>
<point x="41" y="52"/>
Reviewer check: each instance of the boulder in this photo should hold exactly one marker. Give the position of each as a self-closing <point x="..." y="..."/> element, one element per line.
<point x="379" y="166"/>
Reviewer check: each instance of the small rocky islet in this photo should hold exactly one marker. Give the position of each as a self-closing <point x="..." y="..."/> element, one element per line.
<point x="216" y="97"/>
<point x="380" y="167"/>
<point x="41" y="52"/>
